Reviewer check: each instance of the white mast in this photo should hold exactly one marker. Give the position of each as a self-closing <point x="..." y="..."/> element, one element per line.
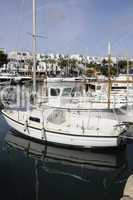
<point x="109" y="73"/>
<point x="34" y="46"/>
<point x="127" y="90"/>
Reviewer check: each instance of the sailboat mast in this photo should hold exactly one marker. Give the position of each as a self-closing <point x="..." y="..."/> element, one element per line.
<point x="127" y="78"/>
<point x="109" y="73"/>
<point x="34" y="44"/>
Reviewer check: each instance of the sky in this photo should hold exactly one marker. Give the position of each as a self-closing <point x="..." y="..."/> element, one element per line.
<point x="68" y="26"/>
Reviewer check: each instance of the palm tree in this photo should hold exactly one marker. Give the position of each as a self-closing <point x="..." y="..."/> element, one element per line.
<point x="63" y="63"/>
<point x="73" y="65"/>
<point x="3" y="58"/>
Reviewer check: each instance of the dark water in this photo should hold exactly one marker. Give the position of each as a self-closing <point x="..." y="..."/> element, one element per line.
<point x="31" y="171"/>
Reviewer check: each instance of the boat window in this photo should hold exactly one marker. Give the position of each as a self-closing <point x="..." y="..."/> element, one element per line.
<point x="92" y="86"/>
<point x="98" y="87"/>
<point x="35" y="119"/>
<point x="76" y="92"/>
<point x="119" y="87"/>
<point x="54" y="91"/>
<point x="66" y="91"/>
<point x="73" y="92"/>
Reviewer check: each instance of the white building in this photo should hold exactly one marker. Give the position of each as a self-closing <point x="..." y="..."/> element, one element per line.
<point x="19" y="56"/>
<point x="76" y="57"/>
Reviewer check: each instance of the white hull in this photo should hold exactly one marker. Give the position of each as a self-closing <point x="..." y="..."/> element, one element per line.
<point x="60" y="79"/>
<point x="15" y="78"/>
<point x="62" y="138"/>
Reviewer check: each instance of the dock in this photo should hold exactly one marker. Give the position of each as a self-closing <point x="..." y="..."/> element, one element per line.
<point x="128" y="190"/>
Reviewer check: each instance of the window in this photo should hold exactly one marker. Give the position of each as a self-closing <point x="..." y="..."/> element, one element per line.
<point x="54" y="91"/>
<point x="98" y="87"/>
<point x="35" y="119"/>
<point x="66" y="92"/>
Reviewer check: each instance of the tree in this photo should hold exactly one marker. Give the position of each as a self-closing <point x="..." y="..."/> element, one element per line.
<point x="113" y="71"/>
<point x="73" y="66"/>
<point x="51" y="61"/>
<point x="91" y="65"/>
<point x="3" y="58"/>
<point x="92" y="68"/>
<point x="63" y="63"/>
<point x="122" y="66"/>
<point x="104" y="62"/>
<point x="104" y="70"/>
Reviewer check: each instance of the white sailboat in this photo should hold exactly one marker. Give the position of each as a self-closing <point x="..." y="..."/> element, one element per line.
<point x="67" y="126"/>
<point x="15" y="78"/>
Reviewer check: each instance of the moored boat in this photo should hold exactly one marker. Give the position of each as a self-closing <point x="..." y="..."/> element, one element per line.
<point x="68" y="128"/>
<point x="71" y="125"/>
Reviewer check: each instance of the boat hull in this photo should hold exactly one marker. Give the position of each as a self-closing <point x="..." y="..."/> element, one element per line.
<point x="64" y="139"/>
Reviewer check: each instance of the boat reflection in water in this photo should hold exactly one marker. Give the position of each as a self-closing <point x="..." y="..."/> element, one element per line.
<point x="52" y="172"/>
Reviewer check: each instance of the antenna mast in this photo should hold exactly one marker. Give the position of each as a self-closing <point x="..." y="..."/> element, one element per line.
<point x="109" y="73"/>
<point x="34" y="46"/>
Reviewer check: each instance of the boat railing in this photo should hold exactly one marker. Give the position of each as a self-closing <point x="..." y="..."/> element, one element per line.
<point x="85" y="101"/>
